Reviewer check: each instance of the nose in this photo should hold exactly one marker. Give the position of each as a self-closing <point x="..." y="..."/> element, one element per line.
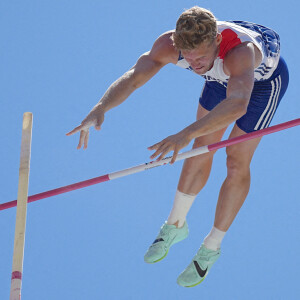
<point x="192" y="63"/>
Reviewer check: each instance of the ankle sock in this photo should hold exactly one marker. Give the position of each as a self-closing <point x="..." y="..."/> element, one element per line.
<point x="214" y="239"/>
<point x="181" y="205"/>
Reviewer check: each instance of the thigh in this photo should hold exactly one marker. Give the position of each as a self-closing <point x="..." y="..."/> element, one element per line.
<point x="209" y="138"/>
<point x="241" y="154"/>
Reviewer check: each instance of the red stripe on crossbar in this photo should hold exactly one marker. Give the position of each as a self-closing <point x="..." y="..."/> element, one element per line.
<point x="253" y="135"/>
<point x="61" y="190"/>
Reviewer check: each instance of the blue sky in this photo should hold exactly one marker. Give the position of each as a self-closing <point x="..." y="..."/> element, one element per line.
<point x="57" y="60"/>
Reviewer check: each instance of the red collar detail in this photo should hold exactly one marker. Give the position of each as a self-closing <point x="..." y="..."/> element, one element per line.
<point x="229" y="40"/>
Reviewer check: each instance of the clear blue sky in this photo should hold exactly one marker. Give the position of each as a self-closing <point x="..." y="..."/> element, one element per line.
<point x="57" y="60"/>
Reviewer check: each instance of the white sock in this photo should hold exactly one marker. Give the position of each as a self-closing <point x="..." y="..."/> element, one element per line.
<point x="214" y="239"/>
<point x="181" y="205"/>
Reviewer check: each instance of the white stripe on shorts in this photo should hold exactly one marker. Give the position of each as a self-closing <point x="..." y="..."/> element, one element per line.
<point x="274" y="109"/>
<point x="270" y="105"/>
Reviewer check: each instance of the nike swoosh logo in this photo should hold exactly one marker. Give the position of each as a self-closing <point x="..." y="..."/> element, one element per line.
<point x="158" y="240"/>
<point x="199" y="270"/>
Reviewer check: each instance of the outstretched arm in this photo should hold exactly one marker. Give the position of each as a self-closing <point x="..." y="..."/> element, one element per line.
<point x="145" y="68"/>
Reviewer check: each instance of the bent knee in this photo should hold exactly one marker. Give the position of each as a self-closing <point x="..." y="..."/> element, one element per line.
<point x="237" y="167"/>
<point x="199" y="142"/>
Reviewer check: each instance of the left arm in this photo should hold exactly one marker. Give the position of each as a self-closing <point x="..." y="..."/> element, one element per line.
<point x="240" y="64"/>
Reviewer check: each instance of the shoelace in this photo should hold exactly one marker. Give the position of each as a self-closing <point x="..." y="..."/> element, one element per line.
<point x="205" y="255"/>
<point x="166" y="236"/>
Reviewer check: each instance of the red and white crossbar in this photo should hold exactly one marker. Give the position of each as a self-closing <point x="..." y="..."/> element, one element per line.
<point x="153" y="164"/>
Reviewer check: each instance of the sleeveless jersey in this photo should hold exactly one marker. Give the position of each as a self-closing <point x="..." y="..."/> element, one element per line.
<point x="234" y="33"/>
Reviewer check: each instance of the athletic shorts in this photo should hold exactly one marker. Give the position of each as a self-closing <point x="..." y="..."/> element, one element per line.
<point x="265" y="98"/>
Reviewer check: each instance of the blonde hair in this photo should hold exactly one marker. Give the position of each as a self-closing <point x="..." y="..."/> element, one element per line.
<point x="194" y="26"/>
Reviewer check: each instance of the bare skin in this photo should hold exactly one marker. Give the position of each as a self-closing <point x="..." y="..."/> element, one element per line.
<point x="196" y="170"/>
<point x="209" y="127"/>
<point x="162" y="53"/>
<point x="237" y="183"/>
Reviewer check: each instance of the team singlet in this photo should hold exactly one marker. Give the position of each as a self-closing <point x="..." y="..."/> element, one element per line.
<point x="234" y="33"/>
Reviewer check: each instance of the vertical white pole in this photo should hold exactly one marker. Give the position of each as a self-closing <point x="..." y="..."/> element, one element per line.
<point x="17" y="268"/>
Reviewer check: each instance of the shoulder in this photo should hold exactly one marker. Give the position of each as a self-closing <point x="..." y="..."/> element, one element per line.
<point x="163" y="49"/>
<point x="242" y="58"/>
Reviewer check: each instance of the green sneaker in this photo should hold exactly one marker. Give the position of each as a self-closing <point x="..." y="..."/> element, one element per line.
<point x="198" y="269"/>
<point x="168" y="236"/>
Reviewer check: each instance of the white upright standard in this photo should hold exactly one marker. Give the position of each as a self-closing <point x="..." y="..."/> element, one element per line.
<point x="17" y="268"/>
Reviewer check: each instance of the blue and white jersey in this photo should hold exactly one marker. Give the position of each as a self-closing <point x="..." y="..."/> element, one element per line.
<point x="234" y="33"/>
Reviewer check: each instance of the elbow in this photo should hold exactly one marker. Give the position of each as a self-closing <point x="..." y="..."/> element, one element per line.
<point x="244" y="107"/>
<point x="241" y="107"/>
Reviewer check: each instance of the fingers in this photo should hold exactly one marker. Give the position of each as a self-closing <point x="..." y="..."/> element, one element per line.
<point x="83" y="139"/>
<point x="84" y="136"/>
<point x="175" y="153"/>
<point x="163" y="154"/>
<point x="94" y="118"/>
<point x="159" y="147"/>
<point x="86" y="139"/>
<point x="162" y="148"/>
<point x="98" y="124"/>
<point x="76" y="129"/>
<point x="155" y="146"/>
<point x="89" y="121"/>
<point x="84" y="133"/>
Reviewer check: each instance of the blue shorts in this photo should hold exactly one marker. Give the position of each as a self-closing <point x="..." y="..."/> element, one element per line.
<point x="265" y="98"/>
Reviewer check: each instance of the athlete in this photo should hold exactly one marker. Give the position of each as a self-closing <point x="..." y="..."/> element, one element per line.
<point x="245" y="80"/>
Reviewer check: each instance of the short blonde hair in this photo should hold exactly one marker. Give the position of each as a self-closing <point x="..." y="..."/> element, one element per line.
<point x="194" y="26"/>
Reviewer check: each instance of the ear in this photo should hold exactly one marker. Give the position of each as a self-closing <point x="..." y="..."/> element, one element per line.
<point x="218" y="39"/>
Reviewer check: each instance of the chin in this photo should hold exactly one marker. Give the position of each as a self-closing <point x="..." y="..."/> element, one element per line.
<point x="201" y="72"/>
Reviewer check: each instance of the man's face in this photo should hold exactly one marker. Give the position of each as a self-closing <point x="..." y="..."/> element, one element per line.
<point x="201" y="59"/>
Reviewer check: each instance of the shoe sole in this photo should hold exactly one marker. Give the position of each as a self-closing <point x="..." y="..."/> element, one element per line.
<point x="189" y="286"/>
<point x="159" y="258"/>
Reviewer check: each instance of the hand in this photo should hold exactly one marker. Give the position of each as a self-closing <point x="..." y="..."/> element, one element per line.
<point x="173" y="142"/>
<point x="94" y="118"/>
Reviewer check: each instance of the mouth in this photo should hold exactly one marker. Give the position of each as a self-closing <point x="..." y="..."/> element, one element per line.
<point x="200" y="69"/>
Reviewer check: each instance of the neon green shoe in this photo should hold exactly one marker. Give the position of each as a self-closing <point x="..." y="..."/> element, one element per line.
<point x="198" y="269"/>
<point x="168" y="236"/>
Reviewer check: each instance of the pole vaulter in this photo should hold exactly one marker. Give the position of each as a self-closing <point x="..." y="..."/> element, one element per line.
<point x="152" y="164"/>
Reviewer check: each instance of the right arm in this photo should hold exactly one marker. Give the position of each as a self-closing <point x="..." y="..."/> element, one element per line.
<point x="162" y="53"/>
